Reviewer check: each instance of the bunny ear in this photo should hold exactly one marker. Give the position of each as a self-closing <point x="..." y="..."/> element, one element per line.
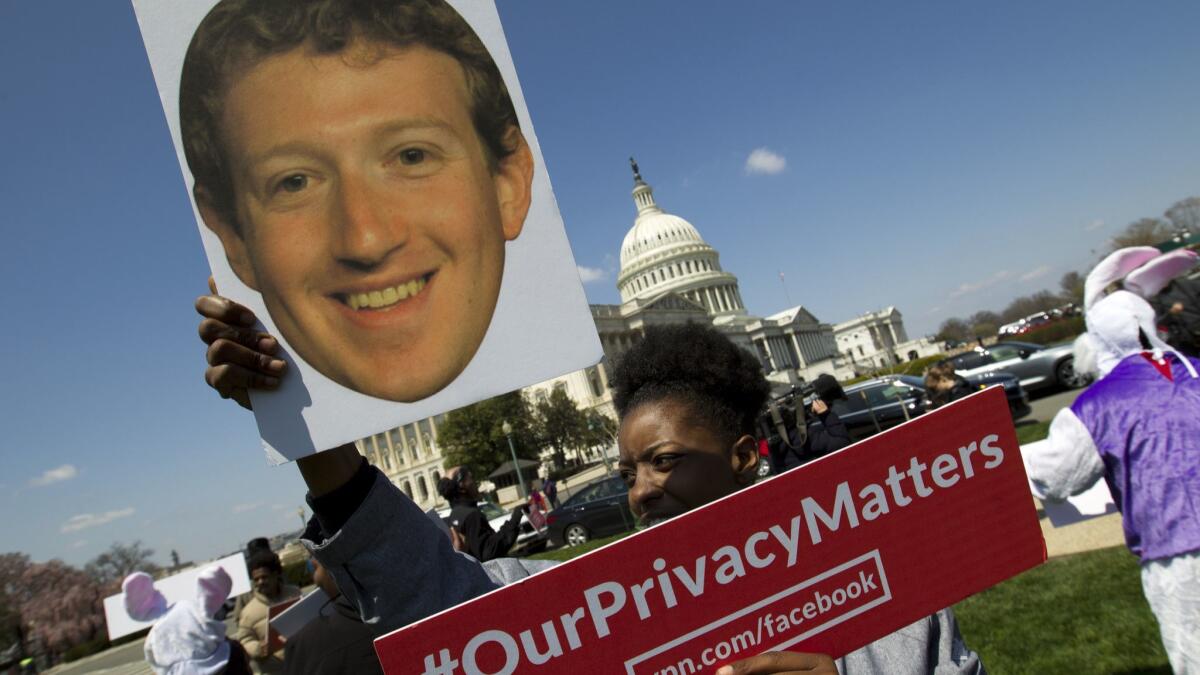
<point x="143" y="602"/>
<point x="1115" y="267"/>
<point x="1153" y="276"/>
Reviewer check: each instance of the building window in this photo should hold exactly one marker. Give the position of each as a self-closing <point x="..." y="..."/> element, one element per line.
<point x="422" y="488"/>
<point x="407" y="487"/>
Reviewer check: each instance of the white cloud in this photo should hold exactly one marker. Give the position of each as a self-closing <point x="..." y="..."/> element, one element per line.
<point x="934" y="310"/>
<point x="278" y="507"/>
<point x="79" y="544"/>
<point x="1035" y="273"/>
<point x="55" y="475"/>
<point x="966" y="288"/>
<point x="1094" y="225"/>
<point x="85" y="520"/>
<point x="763" y="161"/>
<point x="590" y="275"/>
<point x="243" y="508"/>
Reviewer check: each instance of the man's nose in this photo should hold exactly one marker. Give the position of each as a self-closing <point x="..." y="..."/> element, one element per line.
<point x="368" y="226"/>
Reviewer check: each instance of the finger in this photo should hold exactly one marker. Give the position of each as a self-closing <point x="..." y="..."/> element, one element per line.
<point x="228" y="380"/>
<point x="780" y="662"/>
<point x="212" y="285"/>
<point x="224" y="309"/>
<point x="227" y="352"/>
<point x="212" y="330"/>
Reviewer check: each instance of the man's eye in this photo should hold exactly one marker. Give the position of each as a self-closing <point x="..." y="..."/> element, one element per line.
<point x="412" y="156"/>
<point x="629" y="477"/>
<point x="294" y="183"/>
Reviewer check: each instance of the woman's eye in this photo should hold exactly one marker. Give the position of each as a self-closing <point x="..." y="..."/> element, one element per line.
<point x="412" y="156"/>
<point x="294" y="183"/>
<point x="665" y="461"/>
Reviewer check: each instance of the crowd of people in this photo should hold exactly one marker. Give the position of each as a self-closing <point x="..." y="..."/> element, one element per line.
<point x="689" y="403"/>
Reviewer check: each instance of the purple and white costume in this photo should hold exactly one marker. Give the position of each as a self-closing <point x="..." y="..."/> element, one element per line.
<point x="1138" y="427"/>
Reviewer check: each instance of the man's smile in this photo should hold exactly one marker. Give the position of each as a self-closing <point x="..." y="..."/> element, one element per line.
<point x="384" y="297"/>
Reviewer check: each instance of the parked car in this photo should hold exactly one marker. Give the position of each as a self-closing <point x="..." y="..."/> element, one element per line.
<point x="882" y="403"/>
<point x="598" y="509"/>
<point x="529" y="540"/>
<point x="1037" y="367"/>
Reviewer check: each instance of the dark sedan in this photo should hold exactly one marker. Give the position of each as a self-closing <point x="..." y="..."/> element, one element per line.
<point x="880" y="404"/>
<point x="599" y="509"/>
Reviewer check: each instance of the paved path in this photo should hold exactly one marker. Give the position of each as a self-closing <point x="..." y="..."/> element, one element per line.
<point x="1088" y="535"/>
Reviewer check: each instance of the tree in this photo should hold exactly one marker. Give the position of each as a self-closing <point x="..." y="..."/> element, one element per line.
<point x="1185" y="214"/>
<point x="561" y="425"/>
<point x="12" y="568"/>
<point x="1042" y="301"/>
<point x="473" y="436"/>
<point x="1071" y="286"/>
<point x="953" y="329"/>
<point x="1143" y="232"/>
<point x="119" y="561"/>
<point x="984" y="323"/>
<point x="60" y="606"/>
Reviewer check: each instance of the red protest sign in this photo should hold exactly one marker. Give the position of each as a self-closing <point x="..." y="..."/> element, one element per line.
<point x="825" y="558"/>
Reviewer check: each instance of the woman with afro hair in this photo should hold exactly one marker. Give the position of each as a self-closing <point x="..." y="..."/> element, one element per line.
<point x="687" y="399"/>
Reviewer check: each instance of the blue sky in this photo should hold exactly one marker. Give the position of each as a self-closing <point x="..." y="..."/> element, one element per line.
<point x="939" y="157"/>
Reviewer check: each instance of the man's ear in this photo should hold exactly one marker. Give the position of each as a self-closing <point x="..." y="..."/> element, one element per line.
<point x="745" y="459"/>
<point x="514" y="183"/>
<point x="231" y="239"/>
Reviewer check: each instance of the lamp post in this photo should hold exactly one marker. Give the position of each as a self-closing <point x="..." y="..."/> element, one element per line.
<point x="593" y="425"/>
<point x="507" y="429"/>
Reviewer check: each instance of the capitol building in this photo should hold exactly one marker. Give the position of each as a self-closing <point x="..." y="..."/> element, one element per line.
<point x="670" y="275"/>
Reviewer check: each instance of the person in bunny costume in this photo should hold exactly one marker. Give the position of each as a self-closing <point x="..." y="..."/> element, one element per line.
<point x="185" y="639"/>
<point x="1138" y="427"/>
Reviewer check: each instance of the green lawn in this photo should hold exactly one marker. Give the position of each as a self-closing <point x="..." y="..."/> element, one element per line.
<point x="568" y="552"/>
<point x="1028" y="433"/>
<point x="1082" y="613"/>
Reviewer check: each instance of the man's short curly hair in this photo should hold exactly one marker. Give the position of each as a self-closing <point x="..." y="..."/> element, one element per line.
<point x="238" y="34"/>
<point x="693" y="363"/>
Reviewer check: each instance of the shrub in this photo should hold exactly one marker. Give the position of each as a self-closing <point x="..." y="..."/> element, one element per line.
<point x="914" y="367"/>
<point x="1053" y="333"/>
<point x="298" y="574"/>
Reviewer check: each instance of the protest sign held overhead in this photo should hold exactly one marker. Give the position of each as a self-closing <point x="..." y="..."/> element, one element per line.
<point x="825" y="558"/>
<point x="366" y="179"/>
<point x="172" y="589"/>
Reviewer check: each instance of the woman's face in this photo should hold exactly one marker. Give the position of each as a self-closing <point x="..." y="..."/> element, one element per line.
<point x="673" y="464"/>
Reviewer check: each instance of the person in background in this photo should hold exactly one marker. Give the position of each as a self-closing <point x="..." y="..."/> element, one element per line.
<point x="1178" y="311"/>
<point x="550" y="489"/>
<point x="823" y="431"/>
<point x="458" y="487"/>
<point x="266" y="576"/>
<point x="943" y="385"/>
<point x="335" y="642"/>
<point x="537" y="508"/>
<point x="233" y="607"/>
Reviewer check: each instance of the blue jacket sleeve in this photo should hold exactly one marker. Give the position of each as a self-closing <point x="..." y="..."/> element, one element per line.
<point x="393" y="563"/>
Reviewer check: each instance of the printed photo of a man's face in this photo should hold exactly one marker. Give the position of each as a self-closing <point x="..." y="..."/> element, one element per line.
<point x="362" y="164"/>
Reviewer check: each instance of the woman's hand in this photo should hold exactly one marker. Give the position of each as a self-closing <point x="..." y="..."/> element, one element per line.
<point x="782" y="663"/>
<point x="240" y="358"/>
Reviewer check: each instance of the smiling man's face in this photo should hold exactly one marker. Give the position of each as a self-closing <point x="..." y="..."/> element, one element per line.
<point x="372" y="222"/>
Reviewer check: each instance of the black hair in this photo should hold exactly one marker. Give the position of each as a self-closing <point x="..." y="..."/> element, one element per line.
<point x="722" y="384"/>
<point x="264" y="558"/>
<point x="827" y="388"/>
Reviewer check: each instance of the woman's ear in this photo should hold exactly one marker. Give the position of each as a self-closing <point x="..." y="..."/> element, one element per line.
<point x="745" y="459"/>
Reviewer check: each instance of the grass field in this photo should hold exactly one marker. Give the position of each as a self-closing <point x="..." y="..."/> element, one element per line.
<point x="1082" y="613"/>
